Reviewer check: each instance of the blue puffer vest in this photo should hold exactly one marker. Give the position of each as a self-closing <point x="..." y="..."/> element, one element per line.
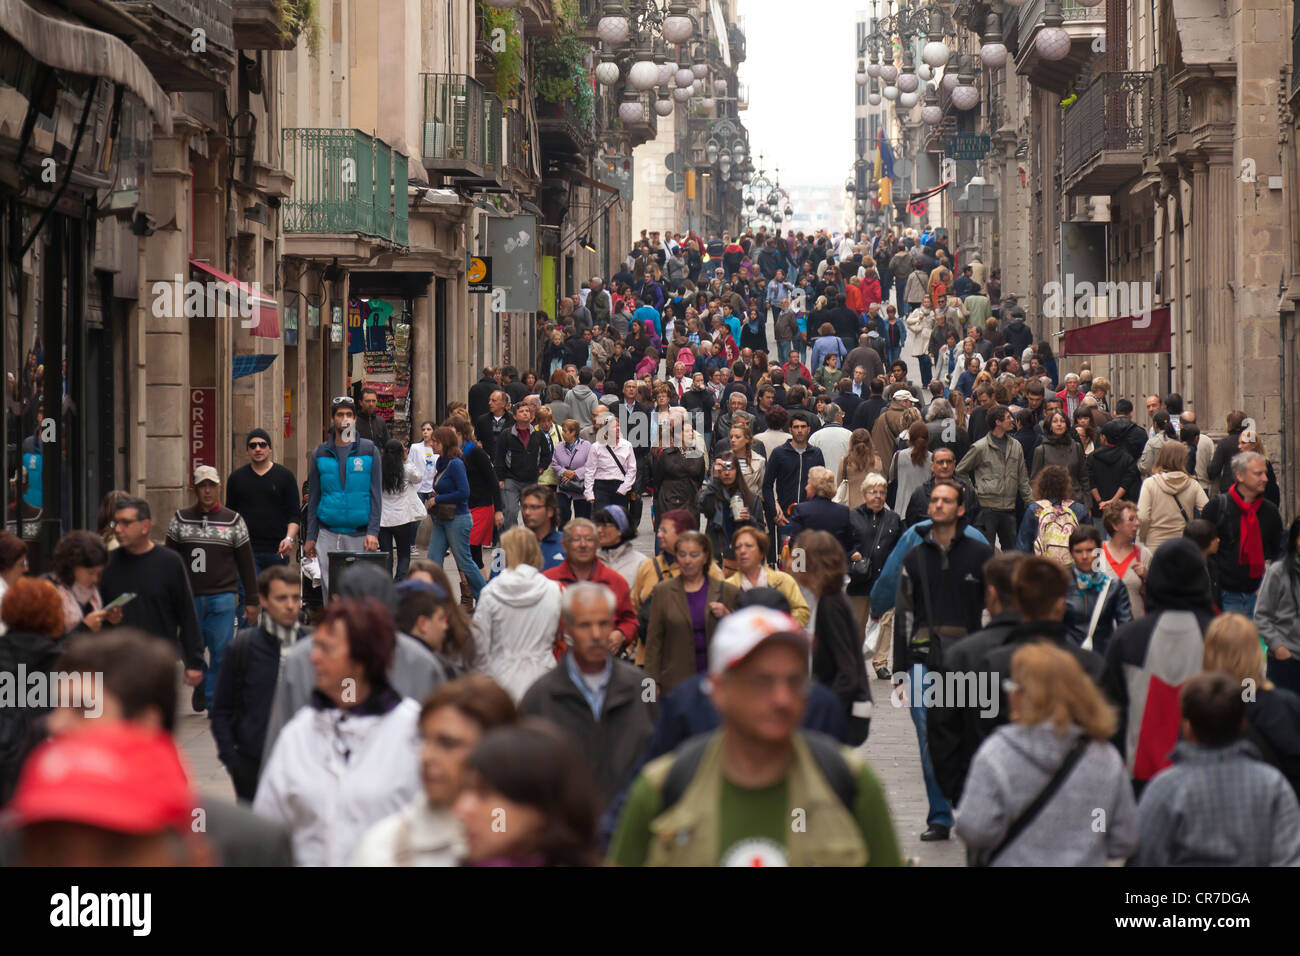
<point x="345" y="503"/>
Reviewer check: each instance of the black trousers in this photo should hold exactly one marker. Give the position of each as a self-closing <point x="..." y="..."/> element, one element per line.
<point x="606" y="493"/>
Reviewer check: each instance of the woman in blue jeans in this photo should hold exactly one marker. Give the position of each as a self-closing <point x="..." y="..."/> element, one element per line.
<point x="451" y="487"/>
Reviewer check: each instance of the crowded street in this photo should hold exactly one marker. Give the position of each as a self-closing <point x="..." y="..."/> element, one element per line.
<point x="583" y="434"/>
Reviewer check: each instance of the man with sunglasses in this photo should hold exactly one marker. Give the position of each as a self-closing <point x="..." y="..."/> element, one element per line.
<point x="344" y="496"/>
<point x="265" y="495"/>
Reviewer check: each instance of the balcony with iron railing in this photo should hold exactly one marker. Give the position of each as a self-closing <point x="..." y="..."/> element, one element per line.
<point x="345" y="182"/>
<point x="1171" y="113"/>
<point x="170" y="48"/>
<point x="454" y="125"/>
<point x="1079" y="21"/>
<point x="1106" y="134"/>
<point x="495" y="158"/>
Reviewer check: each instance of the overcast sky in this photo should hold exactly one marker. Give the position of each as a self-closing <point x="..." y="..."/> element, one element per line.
<point x="799" y="66"/>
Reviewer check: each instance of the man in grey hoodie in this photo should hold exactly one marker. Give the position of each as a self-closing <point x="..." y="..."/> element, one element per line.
<point x="581" y="399"/>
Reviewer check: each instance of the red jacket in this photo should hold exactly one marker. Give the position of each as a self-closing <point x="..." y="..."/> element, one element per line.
<point x="870" y="289"/>
<point x="853" y="297"/>
<point x="624" y="616"/>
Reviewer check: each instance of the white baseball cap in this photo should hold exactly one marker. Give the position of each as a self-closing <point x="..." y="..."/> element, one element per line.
<point x="206" y="473"/>
<point x="739" y="634"/>
<point x="903" y="395"/>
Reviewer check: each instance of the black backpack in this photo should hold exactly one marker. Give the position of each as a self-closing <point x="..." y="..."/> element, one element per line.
<point x="825" y="751"/>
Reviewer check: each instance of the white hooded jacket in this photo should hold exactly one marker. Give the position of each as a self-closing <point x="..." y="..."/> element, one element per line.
<point x="333" y="775"/>
<point x="518" y="616"/>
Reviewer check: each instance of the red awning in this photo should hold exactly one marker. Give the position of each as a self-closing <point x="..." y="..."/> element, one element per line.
<point x="265" y="310"/>
<point x="1133" y="333"/>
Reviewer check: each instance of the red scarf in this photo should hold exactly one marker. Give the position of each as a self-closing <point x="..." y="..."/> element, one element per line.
<point x="1252" y="540"/>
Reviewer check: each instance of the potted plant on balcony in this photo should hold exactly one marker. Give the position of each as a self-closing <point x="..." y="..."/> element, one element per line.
<point x="560" y="69"/>
<point x="499" y="35"/>
<point x="298" y="17"/>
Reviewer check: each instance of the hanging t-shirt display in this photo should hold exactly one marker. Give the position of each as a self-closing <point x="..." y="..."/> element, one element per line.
<point x="377" y="325"/>
<point x="357" y="312"/>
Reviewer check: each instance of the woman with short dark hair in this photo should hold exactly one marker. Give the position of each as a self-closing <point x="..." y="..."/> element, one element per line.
<point x="77" y="563"/>
<point x="531" y="776"/>
<point x="346" y="761"/>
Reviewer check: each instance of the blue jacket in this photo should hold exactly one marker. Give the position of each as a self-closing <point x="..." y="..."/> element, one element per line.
<point x="822" y="514"/>
<point x="649" y="315"/>
<point x="786" y="477"/>
<point x="885" y="591"/>
<point x="452" y="484"/>
<point x="344" y="493"/>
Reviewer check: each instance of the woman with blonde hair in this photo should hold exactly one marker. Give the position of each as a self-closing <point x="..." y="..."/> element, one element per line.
<point x="860" y="460"/>
<point x="1059" y="733"/>
<point x="752" y="466"/>
<point x="1232" y="645"/>
<point x="518" y="616"/>
<point x="1169" y="499"/>
<point x="544" y="422"/>
<point x="818" y="512"/>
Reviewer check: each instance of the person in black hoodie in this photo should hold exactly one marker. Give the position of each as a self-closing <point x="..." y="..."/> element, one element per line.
<point x="241" y="702"/>
<point x="522" y="454"/>
<point x="1226" y="450"/>
<point x="481" y="391"/>
<point x="1112" y="471"/>
<point x="1149" y="659"/>
<point x="955" y="732"/>
<point x="1130" y="436"/>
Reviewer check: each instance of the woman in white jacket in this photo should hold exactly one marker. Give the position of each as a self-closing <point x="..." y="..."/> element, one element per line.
<point x="402" y="510"/>
<point x="518" y="616"/>
<point x="349" y="759"/>
<point x="916" y="350"/>
<point x="425" y="832"/>
<point x="422" y="457"/>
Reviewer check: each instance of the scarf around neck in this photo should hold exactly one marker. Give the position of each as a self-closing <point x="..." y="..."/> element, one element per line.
<point x="1251" y="550"/>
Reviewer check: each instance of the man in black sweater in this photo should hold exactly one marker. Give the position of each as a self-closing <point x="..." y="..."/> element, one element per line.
<point x="163" y="603"/>
<point x="369" y="424"/>
<point x="493" y="423"/>
<point x="241" y="704"/>
<point x="265" y="495"/>
<point x="480" y="392"/>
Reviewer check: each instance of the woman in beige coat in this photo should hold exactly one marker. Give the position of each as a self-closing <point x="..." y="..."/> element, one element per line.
<point x="1170" y="498"/>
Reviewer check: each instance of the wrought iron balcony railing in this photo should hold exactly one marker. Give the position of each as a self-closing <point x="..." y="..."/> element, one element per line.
<point x="345" y="182"/>
<point x="1170" y="112"/>
<point x="1113" y="114"/>
<point x="1031" y="14"/>
<point x="454" y="120"/>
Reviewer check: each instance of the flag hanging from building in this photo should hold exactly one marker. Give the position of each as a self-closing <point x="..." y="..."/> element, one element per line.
<point x="886" y="156"/>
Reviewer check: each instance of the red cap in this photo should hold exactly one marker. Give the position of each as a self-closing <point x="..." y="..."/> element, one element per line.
<point x="121" y="777"/>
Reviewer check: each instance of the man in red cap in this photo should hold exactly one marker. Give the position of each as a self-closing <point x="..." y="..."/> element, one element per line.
<point x="115" y="794"/>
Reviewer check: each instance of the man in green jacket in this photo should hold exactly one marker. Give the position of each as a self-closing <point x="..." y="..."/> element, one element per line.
<point x="995" y="465"/>
<point x="757" y="792"/>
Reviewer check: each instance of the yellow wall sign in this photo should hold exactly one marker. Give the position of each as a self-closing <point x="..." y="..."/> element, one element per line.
<point x="479" y="274"/>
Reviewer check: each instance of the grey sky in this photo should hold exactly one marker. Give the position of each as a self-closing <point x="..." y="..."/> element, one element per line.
<point x="799" y="66"/>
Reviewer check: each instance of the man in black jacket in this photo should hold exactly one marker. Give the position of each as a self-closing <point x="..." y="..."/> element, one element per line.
<point x="493" y="423"/>
<point x="512" y="385"/>
<point x="865" y="415"/>
<point x="943" y="465"/>
<point x="369" y="423"/>
<point x="1250" y="534"/>
<point x="844" y="320"/>
<point x="595" y="700"/>
<point x="245" y="687"/>
<point x="1112" y="471"/>
<point x="1225" y="450"/>
<point x="522" y="454"/>
<point x="480" y="392"/>
<point x="940" y="599"/>
<point x="1131" y="436"/>
<point x="956" y="728"/>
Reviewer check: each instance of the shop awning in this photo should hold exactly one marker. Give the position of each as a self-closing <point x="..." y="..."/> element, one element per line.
<point x="78" y="49"/>
<point x="251" y="364"/>
<point x="1131" y="334"/>
<point x="265" y="311"/>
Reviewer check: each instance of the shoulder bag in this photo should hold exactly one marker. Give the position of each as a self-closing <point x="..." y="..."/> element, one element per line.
<point x="1030" y="812"/>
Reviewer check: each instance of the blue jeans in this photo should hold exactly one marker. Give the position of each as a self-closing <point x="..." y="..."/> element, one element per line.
<point x="783" y="349"/>
<point x="924" y="362"/>
<point x="454" y="535"/>
<point x="1240" y="602"/>
<point x="891" y="355"/>
<point x="900" y="288"/>
<point x="216" y="613"/>
<point x="940" y="809"/>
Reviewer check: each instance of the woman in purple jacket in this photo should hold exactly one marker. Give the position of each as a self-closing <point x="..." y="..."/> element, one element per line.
<point x="569" y="461"/>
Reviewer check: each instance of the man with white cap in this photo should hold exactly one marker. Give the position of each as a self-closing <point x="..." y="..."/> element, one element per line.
<point x="893" y="422"/>
<point x="758" y="792"/>
<point x="214" y="544"/>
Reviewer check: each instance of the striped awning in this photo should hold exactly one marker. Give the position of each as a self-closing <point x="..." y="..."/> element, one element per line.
<point x="68" y="46"/>
<point x="251" y="364"/>
<point x="265" y="309"/>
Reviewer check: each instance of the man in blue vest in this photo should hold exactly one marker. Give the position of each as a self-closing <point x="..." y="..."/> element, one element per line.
<point x="343" y="491"/>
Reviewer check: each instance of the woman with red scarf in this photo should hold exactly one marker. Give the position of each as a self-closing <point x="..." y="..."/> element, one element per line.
<point x="1250" y="534"/>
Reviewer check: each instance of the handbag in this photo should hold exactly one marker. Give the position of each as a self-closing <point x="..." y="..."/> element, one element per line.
<point x="842" y="493"/>
<point x="1030" y="812"/>
<point x="444" y="512"/>
<point x="573" y="487"/>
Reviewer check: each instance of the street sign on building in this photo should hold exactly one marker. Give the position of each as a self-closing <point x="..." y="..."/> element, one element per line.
<point x="203" y="427"/>
<point x="675" y="182"/>
<point x="967" y="146"/>
<point x="479" y="274"/>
